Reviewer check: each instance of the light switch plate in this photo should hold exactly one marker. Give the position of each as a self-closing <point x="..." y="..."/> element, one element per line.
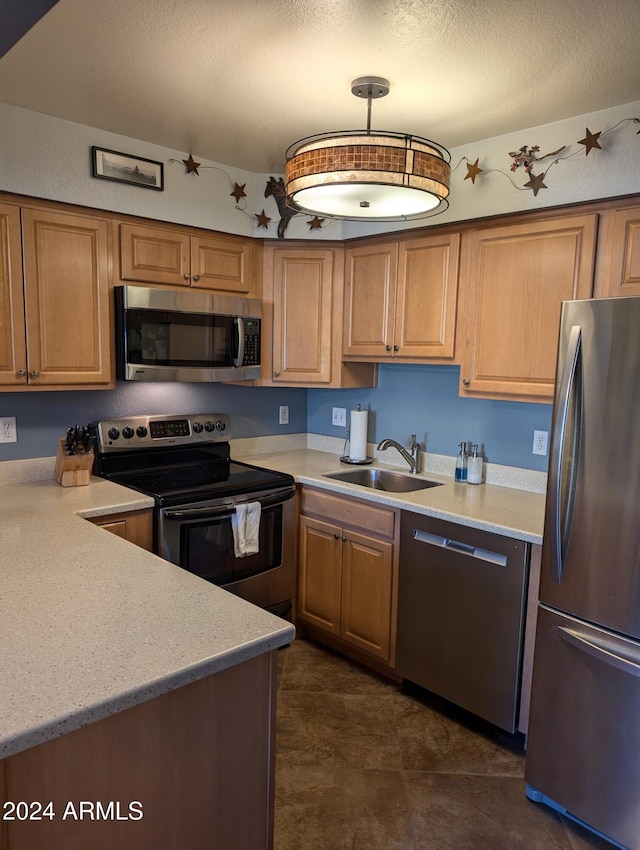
<point x="339" y="416"/>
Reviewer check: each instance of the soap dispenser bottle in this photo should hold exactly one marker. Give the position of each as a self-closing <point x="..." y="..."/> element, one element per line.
<point x="461" y="464"/>
<point x="474" y="466"/>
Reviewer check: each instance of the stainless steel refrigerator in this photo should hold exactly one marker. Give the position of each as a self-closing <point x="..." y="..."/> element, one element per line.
<point x="583" y="746"/>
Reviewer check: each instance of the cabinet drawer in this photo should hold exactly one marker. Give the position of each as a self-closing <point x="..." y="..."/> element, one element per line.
<point x="344" y="511"/>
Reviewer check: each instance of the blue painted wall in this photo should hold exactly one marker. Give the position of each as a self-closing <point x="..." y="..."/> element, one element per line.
<point x="408" y="399"/>
<point x="43" y="417"/>
<point x="424" y="400"/>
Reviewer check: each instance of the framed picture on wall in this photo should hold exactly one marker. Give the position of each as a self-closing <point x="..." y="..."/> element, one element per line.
<point x="124" y="168"/>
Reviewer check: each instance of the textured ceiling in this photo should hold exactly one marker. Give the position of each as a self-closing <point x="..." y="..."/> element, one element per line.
<point x="237" y="81"/>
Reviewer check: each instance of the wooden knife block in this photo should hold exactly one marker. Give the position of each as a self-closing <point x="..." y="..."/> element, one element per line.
<point x="72" y="470"/>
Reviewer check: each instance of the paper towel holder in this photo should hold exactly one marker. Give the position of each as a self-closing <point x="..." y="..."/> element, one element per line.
<point x="354" y="461"/>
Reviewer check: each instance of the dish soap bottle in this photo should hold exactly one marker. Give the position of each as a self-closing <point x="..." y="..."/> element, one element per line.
<point x="474" y="466"/>
<point x="461" y="464"/>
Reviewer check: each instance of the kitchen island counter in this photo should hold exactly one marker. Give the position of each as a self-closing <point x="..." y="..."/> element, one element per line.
<point x="92" y="625"/>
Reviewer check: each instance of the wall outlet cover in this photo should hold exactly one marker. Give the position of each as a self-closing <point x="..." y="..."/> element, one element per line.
<point x="540" y="442"/>
<point x="8" y="431"/>
<point x="283" y="418"/>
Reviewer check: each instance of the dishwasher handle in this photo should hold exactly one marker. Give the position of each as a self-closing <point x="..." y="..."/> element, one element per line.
<point x="461" y="548"/>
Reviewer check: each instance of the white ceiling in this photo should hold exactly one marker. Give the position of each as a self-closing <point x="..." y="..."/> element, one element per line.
<point x="237" y="81"/>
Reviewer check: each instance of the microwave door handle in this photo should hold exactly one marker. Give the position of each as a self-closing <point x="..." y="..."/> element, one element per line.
<point x="240" y="330"/>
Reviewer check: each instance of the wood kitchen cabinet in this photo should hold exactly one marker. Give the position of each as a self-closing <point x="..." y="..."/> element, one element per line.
<point x="512" y="285"/>
<point x="302" y="320"/>
<point x="400" y="300"/>
<point x="134" y="526"/>
<point x="54" y="300"/>
<point x="180" y="257"/>
<point x="348" y="573"/>
<point x="621" y="253"/>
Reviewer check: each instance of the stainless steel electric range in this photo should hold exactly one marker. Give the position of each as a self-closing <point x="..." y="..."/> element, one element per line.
<point x="184" y="462"/>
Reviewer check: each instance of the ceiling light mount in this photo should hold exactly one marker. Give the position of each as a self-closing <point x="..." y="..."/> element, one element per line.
<point x="363" y="174"/>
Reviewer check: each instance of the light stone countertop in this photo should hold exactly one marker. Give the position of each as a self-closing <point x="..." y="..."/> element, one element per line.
<point x="91" y="624"/>
<point x="503" y="510"/>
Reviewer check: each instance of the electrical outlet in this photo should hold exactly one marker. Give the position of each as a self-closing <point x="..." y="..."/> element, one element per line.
<point x="283" y="418"/>
<point x="8" y="432"/>
<point x="540" y="440"/>
<point x="339" y="416"/>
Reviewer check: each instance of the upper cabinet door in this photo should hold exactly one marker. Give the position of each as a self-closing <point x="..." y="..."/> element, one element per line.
<point x="427" y="293"/>
<point x="370" y="300"/>
<point x="223" y="264"/>
<point x="622" y="254"/>
<point x="154" y="255"/>
<point x="515" y="280"/>
<point x="13" y="352"/>
<point x="66" y="284"/>
<point x="302" y="316"/>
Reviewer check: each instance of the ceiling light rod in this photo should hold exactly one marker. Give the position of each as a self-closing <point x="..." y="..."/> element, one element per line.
<point x="363" y="174"/>
<point x="372" y="88"/>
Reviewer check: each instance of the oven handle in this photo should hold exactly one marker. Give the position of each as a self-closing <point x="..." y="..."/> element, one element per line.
<point x="228" y="509"/>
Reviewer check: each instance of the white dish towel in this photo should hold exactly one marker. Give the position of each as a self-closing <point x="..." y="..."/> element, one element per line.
<point x="245" y="523"/>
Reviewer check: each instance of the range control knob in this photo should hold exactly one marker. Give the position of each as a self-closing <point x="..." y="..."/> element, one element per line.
<point x="209" y="426"/>
<point x="113" y="433"/>
<point x="220" y="425"/>
<point x="127" y="432"/>
<point x="197" y="427"/>
<point x="141" y="431"/>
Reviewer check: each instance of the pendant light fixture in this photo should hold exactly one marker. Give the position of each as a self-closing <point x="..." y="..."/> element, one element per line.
<point x="365" y="174"/>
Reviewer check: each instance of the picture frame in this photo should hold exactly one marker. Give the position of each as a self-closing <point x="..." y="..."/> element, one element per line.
<point x="126" y="168"/>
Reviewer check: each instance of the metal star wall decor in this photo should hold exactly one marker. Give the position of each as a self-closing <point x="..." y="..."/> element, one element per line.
<point x="275" y="188"/>
<point x="191" y="165"/>
<point x="238" y="192"/>
<point x="590" y="141"/>
<point x="473" y="169"/>
<point x="263" y="219"/>
<point x="526" y="157"/>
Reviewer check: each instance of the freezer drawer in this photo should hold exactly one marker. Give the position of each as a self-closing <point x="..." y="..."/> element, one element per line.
<point x="584" y="727"/>
<point x="461" y="602"/>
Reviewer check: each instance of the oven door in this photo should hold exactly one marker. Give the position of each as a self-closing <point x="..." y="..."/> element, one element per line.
<point x="199" y="538"/>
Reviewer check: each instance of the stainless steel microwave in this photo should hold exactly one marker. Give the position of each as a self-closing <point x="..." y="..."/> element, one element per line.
<point x="170" y="335"/>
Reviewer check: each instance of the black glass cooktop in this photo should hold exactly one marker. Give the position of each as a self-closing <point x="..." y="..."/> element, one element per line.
<point x="180" y="477"/>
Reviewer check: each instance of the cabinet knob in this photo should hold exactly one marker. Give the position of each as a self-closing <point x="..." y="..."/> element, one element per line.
<point x="21" y="373"/>
<point x="187" y="277"/>
<point x="387" y="348"/>
<point x="396" y="347"/>
<point x="466" y="381"/>
<point x="196" y="277"/>
<point x="34" y="374"/>
<point x="344" y="539"/>
<point x="336" y="537"/>
<point x="276" y="374"/>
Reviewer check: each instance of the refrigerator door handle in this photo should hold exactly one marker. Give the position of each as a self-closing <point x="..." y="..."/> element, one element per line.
<point x="604" y="651"/>
<point x="561" y="519"/>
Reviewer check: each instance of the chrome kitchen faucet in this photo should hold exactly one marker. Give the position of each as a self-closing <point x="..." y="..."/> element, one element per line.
<point x="412" y="456"/>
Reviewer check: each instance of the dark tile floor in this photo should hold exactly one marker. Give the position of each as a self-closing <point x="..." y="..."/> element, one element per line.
<point x="364" y="765"/>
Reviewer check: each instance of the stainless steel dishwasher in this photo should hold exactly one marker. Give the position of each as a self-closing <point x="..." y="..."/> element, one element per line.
<point x="461" y="608"/>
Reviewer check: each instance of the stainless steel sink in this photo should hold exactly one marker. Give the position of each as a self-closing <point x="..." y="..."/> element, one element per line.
<point x="383" y="479"/>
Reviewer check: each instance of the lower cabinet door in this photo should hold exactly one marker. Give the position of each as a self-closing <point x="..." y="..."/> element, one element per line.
<point x="319" y="592"/>
<point x="366" y="593"/>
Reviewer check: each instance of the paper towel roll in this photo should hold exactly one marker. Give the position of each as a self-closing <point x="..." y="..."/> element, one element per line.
<point x="358" y="435"/>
